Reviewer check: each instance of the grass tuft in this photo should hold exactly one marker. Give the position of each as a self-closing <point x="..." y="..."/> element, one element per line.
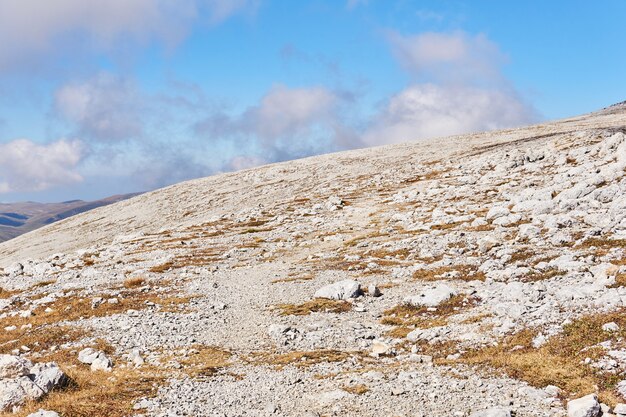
<point x="134" y="282"/>
<point x="356" y="389"/>
<point x="323" y="305"/>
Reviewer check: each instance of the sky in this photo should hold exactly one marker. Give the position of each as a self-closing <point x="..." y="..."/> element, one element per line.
<point x="101" y="98"/>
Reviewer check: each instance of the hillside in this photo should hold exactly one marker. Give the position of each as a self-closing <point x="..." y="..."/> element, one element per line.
<point x="19" y="218"/>
<point x="480" y="275"/>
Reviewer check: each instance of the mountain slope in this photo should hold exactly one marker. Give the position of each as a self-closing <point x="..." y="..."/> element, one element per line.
<point x="442" y="277"/>
<point x="197" y="200"/>
<point x="19" y="218"/>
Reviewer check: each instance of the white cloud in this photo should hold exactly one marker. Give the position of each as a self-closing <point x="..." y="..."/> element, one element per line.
<point x="285" y="111"/>
<point x="449" y="57"/>
<point x="287" y="122"/>
<point x="428" y="110"/>
<point x="459" y="88"/>
<point x="34" y="28"/>
<point x="103" y="108"/>
<point x="27" y="166"/>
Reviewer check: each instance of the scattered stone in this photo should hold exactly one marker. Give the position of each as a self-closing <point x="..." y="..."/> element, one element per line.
<point x="374" y="291"/>
<point x="13" y="366"/>
<point x="620" y="410"/>
<point x="492" y="412"/>
<point x="432" y="297"/>
<point x="341" y="290"/>
<point x="48" y="376"/>
<point x="102" y="363"/>
<point x="96" y="358"/>
<point x="610" y="327"/>
<point x="22" y="381"/>
<point x="44" y="413"/>
<point x="587" y="406"/>
<point x="88" y="355"/>
<point x="380" y="348"/>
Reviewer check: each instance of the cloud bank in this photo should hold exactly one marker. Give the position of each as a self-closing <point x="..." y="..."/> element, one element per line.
<point x="286" y="123"/>
<point x="105" y="108"/>
<point x="27" y="166"/>
<point x="457" y="87"/>
<point x="45" y="26"/>
<point x="430" y="110"/>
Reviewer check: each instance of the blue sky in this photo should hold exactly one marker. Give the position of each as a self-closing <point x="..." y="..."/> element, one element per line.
<point x="98" y="99"/>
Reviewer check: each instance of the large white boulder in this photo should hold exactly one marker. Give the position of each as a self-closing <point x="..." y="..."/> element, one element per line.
<point x="98" y="360"/>
<point x="587" y="406"/>
<point x="431" y="297"/>
<point x="13" y="366"/>
<point x="88" y="355"/>
<point x="15" y="392"/>
<point x="341" y="290"/>
<point x="48" y="376"/>
<point x="22" y="381"/>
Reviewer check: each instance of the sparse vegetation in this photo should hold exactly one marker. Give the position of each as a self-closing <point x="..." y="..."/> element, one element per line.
<point x="543" y="275"/>
<point x="359" y="389"/>
<point x="316" y="305"/>
<point x="561" y="360"/>
<point x="97" y="394"/>
<point x="407" y="317"/>
<point x="6" y="293"/>
<point x="40" y="331"/>
<point x="460" y="272"/>
<point x="301" y="358"/>
<point x="294" y="278"/>
<point x="206" y="361"/>
<point x="134" y="282"/>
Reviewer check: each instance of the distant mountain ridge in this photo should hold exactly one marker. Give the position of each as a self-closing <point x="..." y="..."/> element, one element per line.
<point x="19" y="218"/>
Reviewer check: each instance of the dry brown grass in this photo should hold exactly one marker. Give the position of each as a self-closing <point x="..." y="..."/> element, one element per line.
<point x="44" y="283"/>
<point x="521" y="256"/>
<point x="39" y="337"/>
<point x="301" y="359"/>
<point x="359" y="389"/>
<point x="620" y="281"/>
<point x="162" y="268"/>
<point x="560" y="361"/>
<point x="42" y="334"/>
<point x="477" y="318"/>
<point x="206" y="361"/>
<point x="294" y="278"/>
<point x="543" y="275"/>
<point x="97" y="394"/>
<point x="602" y="245"/>
<point x="7" y="294"/>
<point x="482" y="228"/>
<point x="446" y="226"/>
<point x="322" y="305"/>
<point x="134" y="282"/>
<point x="466" y="273"/>
<point x="407" y="317"/>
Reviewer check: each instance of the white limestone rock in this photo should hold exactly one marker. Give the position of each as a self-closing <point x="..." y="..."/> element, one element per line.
<point x="341" y="290"/>
<point x="44" y="413"/>
<point x="492" y="412"/>
<point x="48" y="376"/>
<point x="587" y="406"/>
<point x="13" y="366"/>
<point x="432" y="297"/>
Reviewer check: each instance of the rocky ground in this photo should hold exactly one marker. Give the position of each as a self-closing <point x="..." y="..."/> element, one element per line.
<point x="480" y="275"/>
